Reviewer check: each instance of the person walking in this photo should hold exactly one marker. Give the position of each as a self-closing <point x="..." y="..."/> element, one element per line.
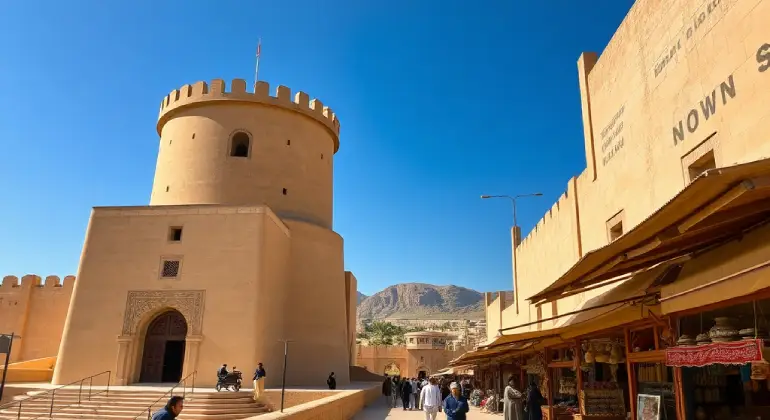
<point x="172" y="409"/>
<point x="430" y="399"/>
<point x="406" y="392"/>
<point x="394" y="390"/>
<point x="259" y="381"/>
<point x="455" y="405"/>
<point x="387" y="388"/>
<point x="512" y="402"/>
<point x="331" y="381"/>
<point x="413" y="399"/>
<point x="534" y="401"/>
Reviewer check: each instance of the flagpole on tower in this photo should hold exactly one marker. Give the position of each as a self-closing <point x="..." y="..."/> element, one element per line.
<point x="256" y="70"/>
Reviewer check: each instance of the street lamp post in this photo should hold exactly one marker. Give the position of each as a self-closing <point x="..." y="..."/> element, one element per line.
<point x="516" y="238"/>
<point x="285" y="362"/>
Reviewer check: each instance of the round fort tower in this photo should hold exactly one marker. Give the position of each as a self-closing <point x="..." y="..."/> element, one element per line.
<point x="241" y="148"/>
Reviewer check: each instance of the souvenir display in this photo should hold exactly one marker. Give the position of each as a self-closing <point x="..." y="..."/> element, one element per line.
<point x="603" y="399"/>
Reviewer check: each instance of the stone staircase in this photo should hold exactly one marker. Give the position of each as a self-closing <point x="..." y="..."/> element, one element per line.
<point x="127" y="404"/>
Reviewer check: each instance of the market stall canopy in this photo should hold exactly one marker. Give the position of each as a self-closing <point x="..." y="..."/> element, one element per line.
<point x="475" y="356"/>
<point x="504" y="339"/>
<point x="711" y="210"/>
<point x="739" y="270"/>
<point x="452" y="371"/>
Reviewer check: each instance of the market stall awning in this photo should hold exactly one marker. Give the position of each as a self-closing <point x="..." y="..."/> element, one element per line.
<point x="637" y="297"/>
<point x="456" y="370"/>
<point x="709" y="211"/>
<point x="524" y="336"/>
<point x="633" y="300"/>
<point x="693" y="292"/>
<point x="480" y="355"/>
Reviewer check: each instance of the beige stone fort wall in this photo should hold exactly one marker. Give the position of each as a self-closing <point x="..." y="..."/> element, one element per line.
<point x="409" y="361"/>
<point x="247" y="280"/>
<point x="35" y="311"/>
<point x="679" y="80"/>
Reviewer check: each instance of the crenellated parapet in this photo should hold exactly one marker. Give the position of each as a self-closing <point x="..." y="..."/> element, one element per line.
<point x="204" y="94"/>
<point x="12" y="283"/>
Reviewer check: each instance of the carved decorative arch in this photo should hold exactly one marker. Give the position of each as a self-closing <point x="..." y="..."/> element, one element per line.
<point x="392" y="368"/>
<point x="143" y="305"/>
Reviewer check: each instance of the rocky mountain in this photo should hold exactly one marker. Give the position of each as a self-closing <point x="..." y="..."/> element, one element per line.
<point x="361" y="297"/>
<point x="423" y="301"/>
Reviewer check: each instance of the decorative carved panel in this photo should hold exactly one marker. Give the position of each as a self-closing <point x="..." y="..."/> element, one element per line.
<point x="142" y="303"/>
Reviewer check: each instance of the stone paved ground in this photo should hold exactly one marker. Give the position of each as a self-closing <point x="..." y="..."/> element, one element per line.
<point x="381" y="411"/>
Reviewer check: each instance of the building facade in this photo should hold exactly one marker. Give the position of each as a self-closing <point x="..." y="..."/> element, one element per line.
<point x="425" y="353"/>
<point x="234" y="254"/>
<point x="631" y="293"/>
<point x="678" y="90"/>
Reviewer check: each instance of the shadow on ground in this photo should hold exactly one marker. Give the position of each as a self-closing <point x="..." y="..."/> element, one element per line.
<point x="378" y="410"/>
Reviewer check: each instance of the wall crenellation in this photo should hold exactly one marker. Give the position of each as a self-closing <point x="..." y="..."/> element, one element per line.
<point x="12" y="282"/>
<point x="550" y="214"/>
<point x="217" y="91"/>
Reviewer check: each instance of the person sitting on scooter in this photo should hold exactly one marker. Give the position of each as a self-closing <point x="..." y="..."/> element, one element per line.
<point x="222" y="372"/>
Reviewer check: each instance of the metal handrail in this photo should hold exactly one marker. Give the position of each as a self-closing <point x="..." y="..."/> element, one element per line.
<point x="182" y="382"/>
<point x="52" y="394"/>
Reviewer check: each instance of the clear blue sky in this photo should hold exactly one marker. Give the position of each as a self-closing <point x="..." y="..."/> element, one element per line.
<point x="440" y="101"/>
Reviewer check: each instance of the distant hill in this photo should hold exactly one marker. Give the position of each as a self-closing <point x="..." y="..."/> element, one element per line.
<point x="422" y="301"/>
<point x="361" y="297"/>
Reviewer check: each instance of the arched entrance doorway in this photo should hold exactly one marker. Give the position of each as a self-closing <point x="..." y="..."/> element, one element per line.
<point x="164" y="343"/>
<point x="392" y="369"/>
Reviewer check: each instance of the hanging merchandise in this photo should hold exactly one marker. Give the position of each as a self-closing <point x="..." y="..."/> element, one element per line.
<point x="726" y="353"/>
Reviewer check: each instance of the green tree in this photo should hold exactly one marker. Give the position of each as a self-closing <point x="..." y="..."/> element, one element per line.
<point x="381" y="333"/>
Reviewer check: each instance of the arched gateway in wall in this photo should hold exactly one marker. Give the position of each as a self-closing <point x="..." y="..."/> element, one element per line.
<point x="164" y="348"/>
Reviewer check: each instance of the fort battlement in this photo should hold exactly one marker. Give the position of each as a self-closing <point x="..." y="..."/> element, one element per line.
<point x="203" y="94"/>
<point x="564" y="206"/>
<point x="30" y="280"/>
<point x="34" y="309"/>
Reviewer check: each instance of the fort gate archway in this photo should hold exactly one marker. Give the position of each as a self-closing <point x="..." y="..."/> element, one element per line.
<point x="164" y="348"/>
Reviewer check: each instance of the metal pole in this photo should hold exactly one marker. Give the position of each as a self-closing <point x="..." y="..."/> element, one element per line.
<point x="515" y="243"/>
<point x="285" y="361"/>
<point x="109" y="379"/>
<point x="53" y="398"/>
<point x="513" y="201"/>
<point x="7" y="361"/>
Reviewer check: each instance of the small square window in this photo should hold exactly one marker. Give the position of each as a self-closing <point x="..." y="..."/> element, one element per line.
<point x="616" y="231"/>
<point x="285" y="191"/>
<point x="615" y="226"/>
<point x="701" y="165"/>
<point x="170" y="269"/>
<point x="175" y="234"/>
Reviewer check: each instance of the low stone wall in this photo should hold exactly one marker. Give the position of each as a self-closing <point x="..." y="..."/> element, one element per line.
<point x="272" y="398"/>
<point x="30" y="371"/>
<point x="342" y="405"/>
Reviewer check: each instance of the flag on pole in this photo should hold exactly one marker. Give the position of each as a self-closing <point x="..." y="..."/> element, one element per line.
<point x="256" y="70"/>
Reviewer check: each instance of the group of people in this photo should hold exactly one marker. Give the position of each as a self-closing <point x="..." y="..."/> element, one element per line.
<point x="258" y="379"/>
<point x="426" y="395"/>
<point x="517" y="406"/>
